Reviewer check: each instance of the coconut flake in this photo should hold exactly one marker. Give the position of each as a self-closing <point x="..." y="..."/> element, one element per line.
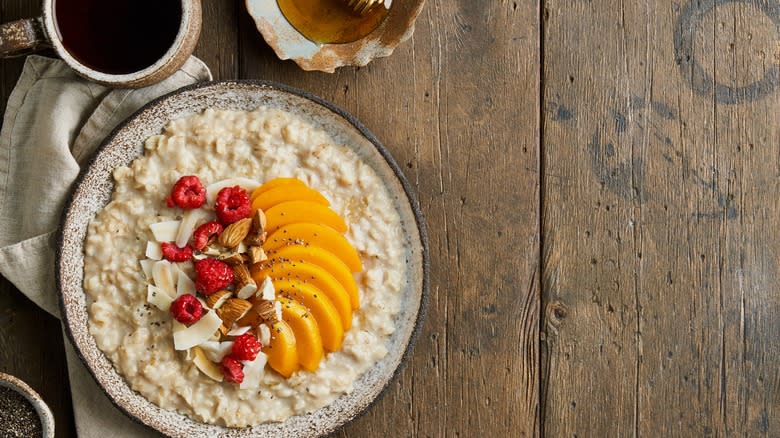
<point x="238" y="331"/>
<point x="254" y="371"/>
<point x="197" y="333"/>
<point x="165" y="231"/>
<point x="216" y="351"/>
<point x="162" y="272"/>
<point x="278" y="310"/>
<point x="187" y="267"/>
<point x="184" y="285"/>
<point x="176" y="326"/>
<point x="146" y="266"/>
<point x="206" y="366"/>
<point x="267" y="291"/>
<point x="213" y="189"/>
<point x="264" y="334"/>
<point x="153" y="250"/>
<point x="189" y="222"/>
<point x="158" y="298"/>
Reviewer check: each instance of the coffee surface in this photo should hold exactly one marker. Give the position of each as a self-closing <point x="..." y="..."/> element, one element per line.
<point x="117" y="36"/>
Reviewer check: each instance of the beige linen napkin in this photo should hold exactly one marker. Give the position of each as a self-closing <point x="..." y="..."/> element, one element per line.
<point x="53" y="123"/>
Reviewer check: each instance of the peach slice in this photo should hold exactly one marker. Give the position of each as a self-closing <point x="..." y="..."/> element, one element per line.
<point x="307" y="335"/>
<point x="293" y="212"/>
<point x="274" y="183"/>
<point x="315" y="235"/>
<point x="311" y="274"/>
<point x="287" y="193"/>
<point x="328" y="318"/>
<point x="325" y="259"/>
<point x="282" y="352"/>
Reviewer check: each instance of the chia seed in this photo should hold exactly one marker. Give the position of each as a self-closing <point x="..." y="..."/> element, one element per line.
<point x="18" y="418"/>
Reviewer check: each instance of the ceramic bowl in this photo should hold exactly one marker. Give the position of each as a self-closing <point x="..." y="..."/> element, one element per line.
<point x="93" y="190"/>
<point x="44" y="413"/>
<point x="288" y="43"/>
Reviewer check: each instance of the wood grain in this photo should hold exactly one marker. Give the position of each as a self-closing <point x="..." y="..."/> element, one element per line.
<point x="31" y="341"/>
<point x="659" y="203"/>
<point x="458" y="107"/>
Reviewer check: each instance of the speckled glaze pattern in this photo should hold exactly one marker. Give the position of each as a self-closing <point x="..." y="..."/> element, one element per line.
<point x="44" y="413"/>
<point x="174" y="58"/>
<point x="93" y="190"/>
<point x="288" y="43"/>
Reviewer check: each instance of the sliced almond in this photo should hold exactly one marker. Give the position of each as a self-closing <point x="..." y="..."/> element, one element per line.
<point x="257" y="255"/>
<point x="267" y="290"/>
<point x="267" y="311"/>
<point x="232" y="258"/>
<point x="232" y="310"/>
<point x="245" y="284"/>
<point x="235" y="233"/>
<point x="259" y="221"/>
<point x="218" y="298"/>
<point x="256" y="238"/>
<point x="252" y="318"/>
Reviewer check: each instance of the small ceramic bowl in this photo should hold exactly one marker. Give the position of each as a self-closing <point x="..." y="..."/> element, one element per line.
<point x="44" y="413"/>
<point x="288" y="43"/>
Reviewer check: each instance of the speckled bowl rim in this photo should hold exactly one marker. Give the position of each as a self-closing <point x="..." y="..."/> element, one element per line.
<point x="35" y="399"/>
<point x="381" y="149"/>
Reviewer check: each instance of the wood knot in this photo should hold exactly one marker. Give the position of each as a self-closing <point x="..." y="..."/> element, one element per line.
<point x="555" y="312"/>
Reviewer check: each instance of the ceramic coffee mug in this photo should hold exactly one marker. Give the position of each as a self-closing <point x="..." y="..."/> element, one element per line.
<point x="21" y="37"/>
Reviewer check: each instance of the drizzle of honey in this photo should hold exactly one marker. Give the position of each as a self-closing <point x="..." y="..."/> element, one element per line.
<point x="330" y="21"/>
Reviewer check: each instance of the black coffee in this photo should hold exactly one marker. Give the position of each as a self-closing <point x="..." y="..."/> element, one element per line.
<point x="117" y="36"/>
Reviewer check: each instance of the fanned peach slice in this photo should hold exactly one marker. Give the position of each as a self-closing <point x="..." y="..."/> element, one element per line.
<point x="309" y="274"/>
<point x="274" y="183"/>
<point x="325" y="259"/>
<point x="293" y="212"/>
<point x="282" y="352"/>
<point x="315" y="235"/>
<point x="307" y="335"/>
<point x="328" y="318"/>
<point x="287" y="193"/>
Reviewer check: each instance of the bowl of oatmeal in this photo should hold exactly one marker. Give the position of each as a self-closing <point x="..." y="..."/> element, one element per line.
<point x="241" y="258"/>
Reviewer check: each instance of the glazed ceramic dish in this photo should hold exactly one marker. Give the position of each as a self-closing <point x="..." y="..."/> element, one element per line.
<point x="44" y="413"/>
<point x="288" y="43"/>
<point x="94" y="189"/>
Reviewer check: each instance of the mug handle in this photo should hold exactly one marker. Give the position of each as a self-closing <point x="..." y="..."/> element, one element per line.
<point x="21" y="37"/>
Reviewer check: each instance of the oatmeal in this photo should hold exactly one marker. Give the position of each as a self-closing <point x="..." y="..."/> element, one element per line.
<point x="230" y="149"/>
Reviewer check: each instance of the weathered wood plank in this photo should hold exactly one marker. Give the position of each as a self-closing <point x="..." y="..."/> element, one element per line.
<point x="659" y="200"/>
<point x="218" y="44"/>
<point x="458" y="107"/>
<point x="31" y="342"/>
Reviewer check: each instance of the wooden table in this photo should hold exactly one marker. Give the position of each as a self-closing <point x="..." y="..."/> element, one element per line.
<point x="600" y="181"/>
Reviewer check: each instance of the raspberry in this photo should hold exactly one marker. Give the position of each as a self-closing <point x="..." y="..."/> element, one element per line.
<point x="173" y="253"/>
<point x="232" y="205"/>
<point x="186" y="309"/>
<point x="213" y="275"/>
<point x="232" y="369"/>
<point x="188" y="192"/>
<point x="245" y="347"/>
<point x="204" y="233"/>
